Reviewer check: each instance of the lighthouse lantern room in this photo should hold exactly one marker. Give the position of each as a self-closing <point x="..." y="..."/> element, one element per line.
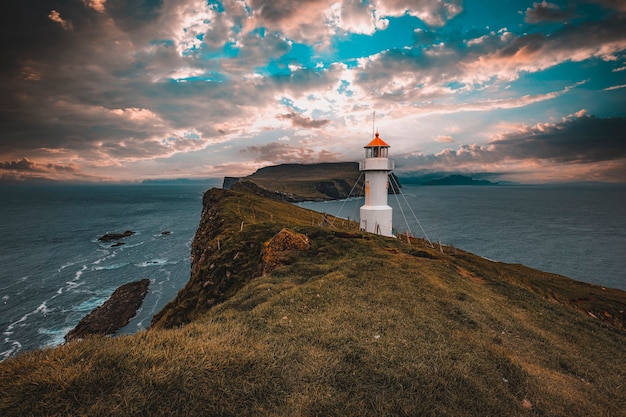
<point x="376" y="215"/>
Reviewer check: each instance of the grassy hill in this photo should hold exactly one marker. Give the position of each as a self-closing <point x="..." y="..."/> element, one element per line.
<point x="291" y="313"/>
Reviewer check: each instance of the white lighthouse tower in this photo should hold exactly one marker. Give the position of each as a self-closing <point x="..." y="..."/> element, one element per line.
<point x="376" y="215"/>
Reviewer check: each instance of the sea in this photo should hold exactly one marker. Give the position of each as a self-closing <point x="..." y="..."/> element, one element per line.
<point x="54" y="269"/>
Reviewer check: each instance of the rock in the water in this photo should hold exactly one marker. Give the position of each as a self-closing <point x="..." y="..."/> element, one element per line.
<point x="115" y="236"/>
<point x="114" y="314"/>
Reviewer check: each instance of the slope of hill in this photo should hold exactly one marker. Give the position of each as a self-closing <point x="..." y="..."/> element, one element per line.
<point x="289" y="312"/>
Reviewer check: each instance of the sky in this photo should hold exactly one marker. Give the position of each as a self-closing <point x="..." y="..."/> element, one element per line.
<point x="118" y="91"/>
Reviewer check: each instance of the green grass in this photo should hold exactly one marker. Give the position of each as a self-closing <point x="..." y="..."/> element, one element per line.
<point x="356" y="325"/>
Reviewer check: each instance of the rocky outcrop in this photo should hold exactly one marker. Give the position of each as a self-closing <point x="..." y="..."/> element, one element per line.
<point x="115" y="236"/>
<point x="114" y="314"/>
<point x="278" y="249"/>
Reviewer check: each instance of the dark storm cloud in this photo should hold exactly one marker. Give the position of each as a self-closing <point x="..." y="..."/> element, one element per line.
<point x="547" y="12"/>
<point x="131" y="14"/>
<point x="24" y="166"/>
<point x="571" y="38"/>
<point x="298" y="120"/>
<point x="585" y="139"/>
<point x="279" y="10"/>
<point x="582" y="140"/>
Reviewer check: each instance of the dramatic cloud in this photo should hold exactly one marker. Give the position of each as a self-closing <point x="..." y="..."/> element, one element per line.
<point x="122" y="89"/>
<point x="584" y="148"/>
<point x="24" y="168"/>
<point x="584" y="139"/>
<point x="547" y="12"/>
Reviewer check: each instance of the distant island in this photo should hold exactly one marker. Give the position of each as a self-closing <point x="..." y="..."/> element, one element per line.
<point x="305" y="182"/>
<point x="458" y="180"/>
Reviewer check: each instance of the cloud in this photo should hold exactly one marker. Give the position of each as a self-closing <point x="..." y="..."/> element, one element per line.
<point x="547" y="12"/>
<point x="583" y="139"/>
<point x="433" y="13"/>
<point x="298" y="120"/>
<point x="614" y="87"/>
<point x="280" y="153"/>
<point x="25" y="169"/>
<point x="56" y="17"/>
<point x="618" y="5"/>
<point x="134" y="82"/>
<point x="535" y="52"/>
<point x="27" y="165"/>
<point x="444" y="139"/>
<point x="582" y="145"/>
<point x="315" y="21"/>
<point x="97" y="5"/>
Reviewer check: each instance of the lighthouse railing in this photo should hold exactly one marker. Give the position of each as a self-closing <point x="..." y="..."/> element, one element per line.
<point x="376" y="164"/>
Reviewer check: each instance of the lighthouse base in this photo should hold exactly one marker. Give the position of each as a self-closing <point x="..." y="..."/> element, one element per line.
<point x="377" y="219"/>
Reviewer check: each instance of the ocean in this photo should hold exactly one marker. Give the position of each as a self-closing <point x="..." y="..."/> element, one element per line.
<point x="54" y="271"/>
<point x="574" y="230"/>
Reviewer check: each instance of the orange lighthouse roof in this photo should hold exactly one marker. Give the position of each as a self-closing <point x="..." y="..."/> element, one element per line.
<point x="377" y="142"/>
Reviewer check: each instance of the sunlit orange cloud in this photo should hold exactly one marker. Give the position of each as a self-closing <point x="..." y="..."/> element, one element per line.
<point x="534" y="53"/>
<point x="27" y="169"/>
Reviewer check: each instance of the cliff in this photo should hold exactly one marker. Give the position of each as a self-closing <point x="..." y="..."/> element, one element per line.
<point x="290" y="312"/>
<point x="304" y="182"/>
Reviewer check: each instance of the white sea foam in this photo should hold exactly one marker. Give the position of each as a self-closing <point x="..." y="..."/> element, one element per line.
<point x="15" y="347"/>
<point x="57" y="336"/>
<point x="109" y="267"/>
<point x="89" y="304"/>
<point x="66" y="265"/>
<point x="154" y="262"/>
<point x="134" y="245"/>
<point x="72" y="285"/>
<point x="80" y="272"/>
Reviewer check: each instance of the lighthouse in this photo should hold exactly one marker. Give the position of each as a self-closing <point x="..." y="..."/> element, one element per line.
<point x="376" y="215"/>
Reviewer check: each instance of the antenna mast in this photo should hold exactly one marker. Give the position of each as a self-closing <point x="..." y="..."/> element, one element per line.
<point x="373" y="122"/>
